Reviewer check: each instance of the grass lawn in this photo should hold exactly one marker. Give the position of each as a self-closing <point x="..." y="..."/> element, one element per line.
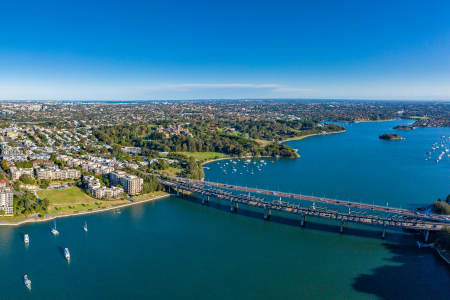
<point x="262" y="142"/>
<point x="204" y="156"/>
<point x="74" y="200"/>
<point x="171" y="171"/>
<point x="70" y="195"/>
<point x="148" y="196"/>
<point x="12" y="219"/>
<point x="419" y="117"/>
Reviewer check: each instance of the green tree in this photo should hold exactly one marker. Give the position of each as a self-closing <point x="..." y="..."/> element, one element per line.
<point x="5" y="166"/>
<point x="27" y="179"/>
<point x="44" y="184"/>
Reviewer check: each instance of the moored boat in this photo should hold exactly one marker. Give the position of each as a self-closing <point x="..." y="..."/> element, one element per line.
<point x="27" y="281"/>
<point x="54" y="231"/>
<point x="67" y="254"/>
<point x="26" y="239"/>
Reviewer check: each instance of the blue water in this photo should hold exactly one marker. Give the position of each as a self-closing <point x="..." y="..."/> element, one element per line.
<point x="357" y="166"/>
<point x="178" y="249"/>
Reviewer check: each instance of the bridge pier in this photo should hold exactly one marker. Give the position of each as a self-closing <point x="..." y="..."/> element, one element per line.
<point x="188" y="188"/>
<point x="266" y="213"/>
<point x="302" y="221"/>
<point x="233" y="206"/>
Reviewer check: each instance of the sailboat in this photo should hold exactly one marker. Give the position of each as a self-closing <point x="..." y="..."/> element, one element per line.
<point x="54" y="231"/>
<point x="67" y="254"/>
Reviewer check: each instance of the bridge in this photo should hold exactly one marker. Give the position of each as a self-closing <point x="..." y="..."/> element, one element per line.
<point x="303" y="206"/>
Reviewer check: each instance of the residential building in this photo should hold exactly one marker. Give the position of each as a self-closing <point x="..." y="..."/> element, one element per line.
<point x="6" y="202"/>
<point x="53" y="173"/>
<point x="16" y="173"/>
<point x="97" y="191"/>
<point x="131" y="183"/>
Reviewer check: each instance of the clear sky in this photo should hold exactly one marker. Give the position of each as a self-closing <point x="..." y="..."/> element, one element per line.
<point x="106" y="49"/>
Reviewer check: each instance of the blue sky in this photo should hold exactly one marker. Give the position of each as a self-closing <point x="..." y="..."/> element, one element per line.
<point x="224" y="49"/>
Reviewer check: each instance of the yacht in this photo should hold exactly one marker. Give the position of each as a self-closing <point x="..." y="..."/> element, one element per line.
<point x="26" y="239"/>
<point x="27" y="281"/>
<point x="67" y="254"/>
<point x="54" y="231"/>
<point x="85" y="228"/>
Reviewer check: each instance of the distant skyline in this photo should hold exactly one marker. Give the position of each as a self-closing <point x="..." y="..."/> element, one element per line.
<point x="156" y="50"/>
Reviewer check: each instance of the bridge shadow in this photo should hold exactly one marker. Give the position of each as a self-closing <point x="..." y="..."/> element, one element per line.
<point x="410" y="273"/>
<point x="312" y="223"/>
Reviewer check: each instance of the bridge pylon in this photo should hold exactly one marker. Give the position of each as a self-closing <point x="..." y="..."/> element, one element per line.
<point x="233" y="206"/>
<point x="427" y="236"/>
<point x="267" y="213"/>
<point x="205" y="199"/>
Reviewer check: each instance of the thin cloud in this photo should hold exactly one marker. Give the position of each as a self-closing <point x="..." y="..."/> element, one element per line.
<point x="183" y="86"/>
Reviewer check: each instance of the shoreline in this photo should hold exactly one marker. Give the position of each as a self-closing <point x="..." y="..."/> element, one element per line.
<point x="297" y="138"/>
<point x="282" y="141"/>
<point x="370" y="121"/>
<point x="54" y="217"/>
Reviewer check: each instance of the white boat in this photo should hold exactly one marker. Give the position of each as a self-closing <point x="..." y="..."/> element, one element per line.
<point x="27" y="281"/>
<point x="85" y="228"/>
<point x="67" y="254"/>
<point x="26" y="239"/>
<point x="54" y="231"/>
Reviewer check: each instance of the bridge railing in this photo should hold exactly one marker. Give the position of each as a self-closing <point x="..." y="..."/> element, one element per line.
<point x="329" y="201"/>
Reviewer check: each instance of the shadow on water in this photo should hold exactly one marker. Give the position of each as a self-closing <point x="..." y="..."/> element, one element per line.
<point x="61" y="252"/>
<point x="401" y="269"/>
<point x="311" y="222"/>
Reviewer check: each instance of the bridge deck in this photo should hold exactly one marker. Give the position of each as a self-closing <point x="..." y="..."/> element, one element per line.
<point x="363" y="214"/>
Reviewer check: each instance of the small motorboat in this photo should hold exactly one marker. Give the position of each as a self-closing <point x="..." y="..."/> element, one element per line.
<point x="85" y="228"/>
<point x="26" y="239"/>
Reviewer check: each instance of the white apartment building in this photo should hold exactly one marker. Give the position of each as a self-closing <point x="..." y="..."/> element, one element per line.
<point x="17" y="172"/>
<point x="6" y="202"/>
<point x="54" y="173"/>
<point x="131" y="183"/>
